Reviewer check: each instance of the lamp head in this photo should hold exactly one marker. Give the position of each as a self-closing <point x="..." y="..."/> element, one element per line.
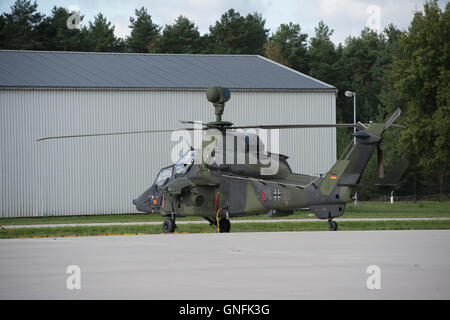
<point x="349" y="94"/>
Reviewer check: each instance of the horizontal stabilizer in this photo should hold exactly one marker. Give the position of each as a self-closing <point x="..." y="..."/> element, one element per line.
<point x="373" y="185"/>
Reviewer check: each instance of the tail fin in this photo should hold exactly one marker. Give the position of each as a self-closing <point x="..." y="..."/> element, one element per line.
<point x="348" y="171"/>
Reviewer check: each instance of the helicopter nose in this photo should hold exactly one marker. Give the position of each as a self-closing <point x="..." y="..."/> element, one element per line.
<point x="142" y="206"/>
<point x="143" y="202"/>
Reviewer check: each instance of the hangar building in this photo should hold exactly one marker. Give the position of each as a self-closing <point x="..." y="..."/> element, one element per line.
<point x="67" y="93"/>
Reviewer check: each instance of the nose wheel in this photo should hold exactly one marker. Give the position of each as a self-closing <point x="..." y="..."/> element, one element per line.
<point x="224" y="225"/>
<point x="169" y="225"/>
<point x="222" y="221"/>
<point x="332" y="225"/>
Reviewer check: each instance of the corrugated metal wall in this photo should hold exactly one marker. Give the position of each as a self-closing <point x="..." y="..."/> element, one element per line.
<point x="101" y="175"/>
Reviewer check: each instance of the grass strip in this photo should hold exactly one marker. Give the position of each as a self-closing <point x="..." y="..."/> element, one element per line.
<point x="426" y="209"/>
<point x="241" y="227"/>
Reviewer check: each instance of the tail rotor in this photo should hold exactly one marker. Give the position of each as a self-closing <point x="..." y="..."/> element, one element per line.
<point x="391" y="120"/>
<point x="380" y="166"/>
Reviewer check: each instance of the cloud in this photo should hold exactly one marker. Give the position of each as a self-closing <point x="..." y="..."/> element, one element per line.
<point x="350" y="10"/>
<point x="121" y="23"/>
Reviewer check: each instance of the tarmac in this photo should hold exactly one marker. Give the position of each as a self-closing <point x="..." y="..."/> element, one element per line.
<point x="275" y="265"/>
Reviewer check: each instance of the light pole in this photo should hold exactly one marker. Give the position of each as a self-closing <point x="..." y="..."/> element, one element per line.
<point x="353" y="94"/>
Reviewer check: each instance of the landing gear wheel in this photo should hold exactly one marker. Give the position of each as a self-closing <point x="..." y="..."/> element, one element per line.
<point x="169" y="225"/>
<point x="224" y="225"/>
<point x="332" y="225"/>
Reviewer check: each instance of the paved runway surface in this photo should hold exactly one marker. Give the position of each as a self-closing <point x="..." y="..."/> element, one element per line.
<point x="285" y="265"/>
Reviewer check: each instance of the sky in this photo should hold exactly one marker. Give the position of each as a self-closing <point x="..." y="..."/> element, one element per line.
<point x="345" y="17"/>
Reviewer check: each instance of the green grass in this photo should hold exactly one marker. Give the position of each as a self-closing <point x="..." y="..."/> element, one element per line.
<point x="426" y="209"/>
<point x="237" y="227"/>
<point x="83" y="219"/>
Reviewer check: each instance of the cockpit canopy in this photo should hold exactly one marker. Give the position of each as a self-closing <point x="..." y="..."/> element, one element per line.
<point x="185" y="162"/>
<point x="181" y="167"/>
<point x="163" y="176"/>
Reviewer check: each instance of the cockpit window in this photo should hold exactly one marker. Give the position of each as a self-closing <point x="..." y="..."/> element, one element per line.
<point x="185" y="162"/>
<point x="163" y="175"/>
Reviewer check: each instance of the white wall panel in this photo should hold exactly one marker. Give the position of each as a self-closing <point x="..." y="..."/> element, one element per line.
<point x="101" y="175"/>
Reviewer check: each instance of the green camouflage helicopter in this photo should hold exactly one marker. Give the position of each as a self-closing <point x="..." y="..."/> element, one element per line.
<point x="205" y="183"/>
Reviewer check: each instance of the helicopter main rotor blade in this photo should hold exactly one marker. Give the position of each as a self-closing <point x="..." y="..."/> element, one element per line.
<point x="192" y="122"/>
<point x="396" y="126"/>
<point x="296" y="126"/>
<point x="115" y="133"/>
<point x="358" y="125"/>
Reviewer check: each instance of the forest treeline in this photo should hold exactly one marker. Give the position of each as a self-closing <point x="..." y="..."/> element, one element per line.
<point x="389" y="69"/>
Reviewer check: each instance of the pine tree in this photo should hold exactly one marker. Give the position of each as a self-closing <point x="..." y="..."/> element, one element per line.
<point x="144" y="32"/>
<point x="181" y="37"/>
<point x="18" y="28"/>
<point x="54" y="34"/>
<point x="237" y="34"/>
<point x="288" y="46"/>
<point x="100" y="35"/>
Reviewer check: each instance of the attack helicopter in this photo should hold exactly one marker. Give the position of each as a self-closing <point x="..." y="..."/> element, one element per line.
<point x="205" y="183"/>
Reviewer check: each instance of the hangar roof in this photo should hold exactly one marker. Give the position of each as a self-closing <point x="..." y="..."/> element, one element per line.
<point x="61" y="69"/>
